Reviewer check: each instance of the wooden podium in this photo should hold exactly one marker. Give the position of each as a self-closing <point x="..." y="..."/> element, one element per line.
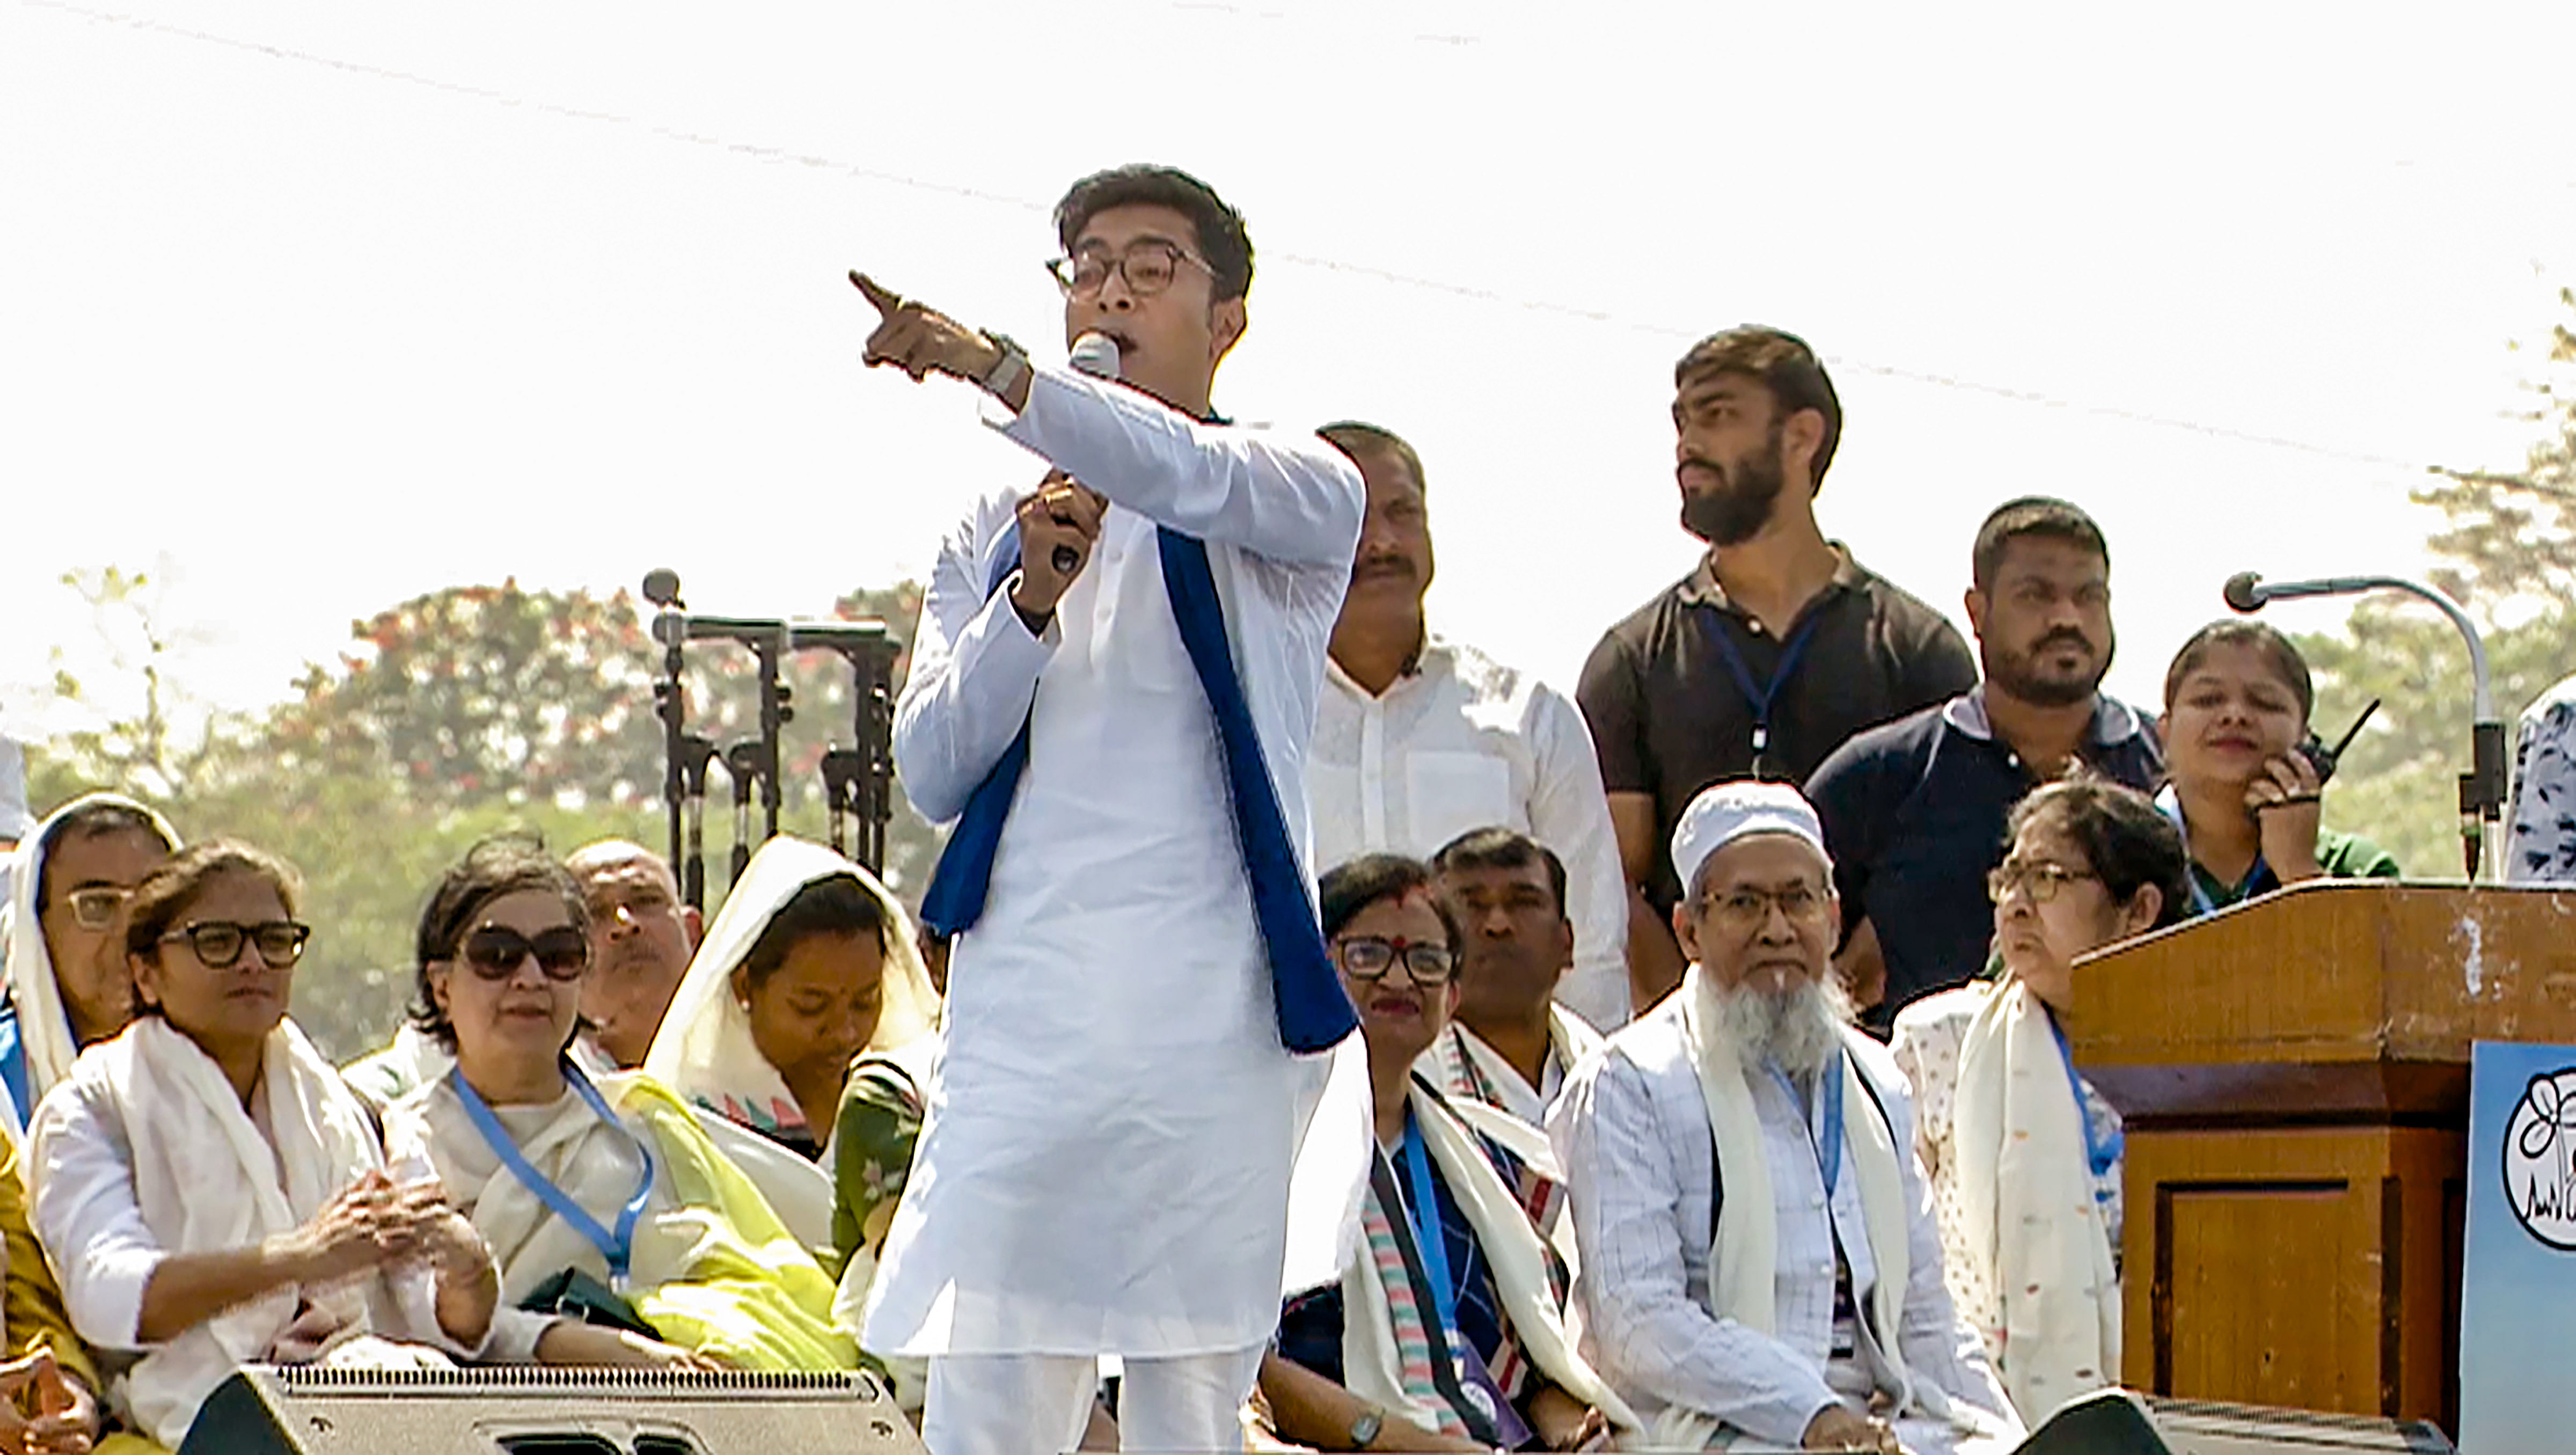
<point x="2295" y="1076"/>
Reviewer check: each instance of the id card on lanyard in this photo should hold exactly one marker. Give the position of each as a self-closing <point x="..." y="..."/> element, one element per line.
<point x="1474" y="1379"/>
<point x="1760" y="699"/>
<point x="616" y="1246"/>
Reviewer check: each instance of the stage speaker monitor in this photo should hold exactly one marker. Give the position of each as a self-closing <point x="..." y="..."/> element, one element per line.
<point x="2194" y="1427"/>
<point x="265" y="1410"/>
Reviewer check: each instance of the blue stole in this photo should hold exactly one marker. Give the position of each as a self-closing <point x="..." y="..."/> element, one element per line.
<point x="1314" y="1013"/>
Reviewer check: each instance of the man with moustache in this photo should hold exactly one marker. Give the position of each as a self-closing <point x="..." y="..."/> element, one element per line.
<point x="1759" y="1255"/>
<point x="641" y="938"/>
<point x="1419" y="738"/>
<point x="1769" y="654"/>
<point x="1111" y="690"/>
<point x="1914" y="810"/>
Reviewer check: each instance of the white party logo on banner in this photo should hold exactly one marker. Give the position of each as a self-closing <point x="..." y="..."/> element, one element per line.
<point x="2540" y="1159"/>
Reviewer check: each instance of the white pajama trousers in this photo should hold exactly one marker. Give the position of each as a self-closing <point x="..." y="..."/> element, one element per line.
<point x="1038" y="1404"/>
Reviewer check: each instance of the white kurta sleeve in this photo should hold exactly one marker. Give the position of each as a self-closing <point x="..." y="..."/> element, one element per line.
<point x="974" y="673"/>
<point x="1570" y="814"/>
<point x="1293" y="499"/>
<point x="86" y="1215"/>
<point x="1626" y="1194"/>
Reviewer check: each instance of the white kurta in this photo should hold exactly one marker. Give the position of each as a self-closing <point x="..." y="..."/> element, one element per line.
<point x="1467" y="743"/>
<point x="1104" y="1164"/>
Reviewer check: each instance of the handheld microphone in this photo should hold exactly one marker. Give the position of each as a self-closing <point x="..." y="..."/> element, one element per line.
<point x="1095" y="354"/>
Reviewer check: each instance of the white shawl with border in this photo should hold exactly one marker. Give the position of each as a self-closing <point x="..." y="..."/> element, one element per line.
<point x="1371" y="1364"/>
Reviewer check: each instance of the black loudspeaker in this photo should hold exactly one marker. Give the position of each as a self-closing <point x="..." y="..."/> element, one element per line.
<point x="519" y="1410"/>
<point x="2194" y="1427"/>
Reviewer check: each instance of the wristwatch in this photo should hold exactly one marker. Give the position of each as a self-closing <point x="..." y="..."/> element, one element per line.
<point x="1008" y="370"/>
<point x="1364" y="1429"/>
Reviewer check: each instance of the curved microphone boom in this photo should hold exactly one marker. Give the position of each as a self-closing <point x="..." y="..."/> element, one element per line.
<point x="2485" y="787"/>
<point x="1095" y="354"/>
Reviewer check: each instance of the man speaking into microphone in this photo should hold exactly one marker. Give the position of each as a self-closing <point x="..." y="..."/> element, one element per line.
<point x="1112" y="686"/>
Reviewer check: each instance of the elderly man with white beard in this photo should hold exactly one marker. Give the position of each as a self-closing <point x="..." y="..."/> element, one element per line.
<point x="1759" y="1256"/>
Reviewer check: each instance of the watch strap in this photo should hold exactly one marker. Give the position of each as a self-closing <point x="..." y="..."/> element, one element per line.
<point x="1010" y="369"/>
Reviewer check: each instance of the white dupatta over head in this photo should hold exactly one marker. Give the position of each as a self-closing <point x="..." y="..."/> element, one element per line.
<point x="704" y="1051"/>
<point x="44" y="1024"/>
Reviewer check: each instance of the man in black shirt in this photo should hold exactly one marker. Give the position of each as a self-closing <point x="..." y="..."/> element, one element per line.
<point x="1771" y="653"/>
<point x="1914" y="811"/>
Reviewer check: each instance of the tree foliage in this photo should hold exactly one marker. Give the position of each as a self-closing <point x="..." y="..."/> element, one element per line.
<point x="2507" y="550"/>
<point x="447" y="717"/>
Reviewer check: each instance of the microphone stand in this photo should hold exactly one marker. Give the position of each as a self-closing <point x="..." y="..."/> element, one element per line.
<point x="2485" y="788"/>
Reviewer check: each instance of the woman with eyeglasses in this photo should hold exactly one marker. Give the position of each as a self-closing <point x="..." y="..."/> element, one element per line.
<point x="2023" y="1153"/>
<point x="210" y="1192"/>
<point x="1446" y="1331"/>
<point x="68" y="985"/>
<point x="624" y="1234"/>
<point x="2243" y="781"/>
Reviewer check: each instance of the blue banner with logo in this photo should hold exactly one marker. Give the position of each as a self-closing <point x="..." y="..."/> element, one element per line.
<point x="2518" y="1277"/>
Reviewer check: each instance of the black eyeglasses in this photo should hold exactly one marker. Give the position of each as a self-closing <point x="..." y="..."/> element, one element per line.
<point x="1148" y="266"/>
<point x="1369" y="957"/>
<point x="280" y="942"/>
<point x="496" y="952"/>
<point x="2042" y="880"/>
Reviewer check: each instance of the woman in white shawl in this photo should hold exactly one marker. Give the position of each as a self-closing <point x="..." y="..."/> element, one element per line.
<point x="624" y="1234"/>
<point x="1446" y="1330"/>
<point x="68" y="985"/>
<point x="210" y="1193"/>
<point x="809" y="964"/>
<point x="2023" y="1154"/>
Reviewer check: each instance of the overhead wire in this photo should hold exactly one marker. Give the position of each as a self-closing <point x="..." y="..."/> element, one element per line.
<point x="1463" y="291"/>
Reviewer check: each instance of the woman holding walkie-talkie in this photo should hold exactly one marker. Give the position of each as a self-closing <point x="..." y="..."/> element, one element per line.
<point x="2245" y="773"/>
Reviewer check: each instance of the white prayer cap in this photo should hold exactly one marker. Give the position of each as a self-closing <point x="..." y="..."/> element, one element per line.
<point x="15" y="821"/>
<point x="1725" y="812"/>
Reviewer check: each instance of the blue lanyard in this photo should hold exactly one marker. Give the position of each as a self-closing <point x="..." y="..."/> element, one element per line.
<point x="618" y="1247"/>
<point x="1760" y="699"/>
<point x="2102" y="1156"/>
<point x="1829" y="1149"/>
<point x="1427" y="1232"/>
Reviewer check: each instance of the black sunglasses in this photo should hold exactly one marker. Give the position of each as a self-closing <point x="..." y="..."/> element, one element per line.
<point x="496" y="953"/>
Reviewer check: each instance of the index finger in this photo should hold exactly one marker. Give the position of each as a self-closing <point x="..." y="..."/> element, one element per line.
<point x="887" y="302"/>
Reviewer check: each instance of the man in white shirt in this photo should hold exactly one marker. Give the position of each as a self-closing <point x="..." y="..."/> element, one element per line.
<point x="2540" y="843"/>
<point x="1419" y="739"/>
<point x="1104" y="1165"/>
<point x="1759" y="1256"/>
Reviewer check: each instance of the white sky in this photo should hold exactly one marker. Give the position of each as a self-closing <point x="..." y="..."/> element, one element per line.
<point x="316" y="306"/>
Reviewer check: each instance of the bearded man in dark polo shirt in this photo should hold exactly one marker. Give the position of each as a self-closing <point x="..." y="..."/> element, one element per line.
<point x="1771" y="653"/>
<point x="1914" y="811"/>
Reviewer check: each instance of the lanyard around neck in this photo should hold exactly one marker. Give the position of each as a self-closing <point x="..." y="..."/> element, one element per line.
<point x="1427" y="1232"/>
<point x="1828" y="1147"/>
<point x="2102" y="1156"/>
<point x="1760" y="699"/>
<point x="617" y="1247"/>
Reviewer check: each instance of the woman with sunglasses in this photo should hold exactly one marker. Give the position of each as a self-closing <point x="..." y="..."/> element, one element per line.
<point x="2239" y="785"/>
<point x="625" y="1235"/>
<point x="2024" y="1155"/>
<point x="1446" y="1246"/>
<point x="210" y="1192"/>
